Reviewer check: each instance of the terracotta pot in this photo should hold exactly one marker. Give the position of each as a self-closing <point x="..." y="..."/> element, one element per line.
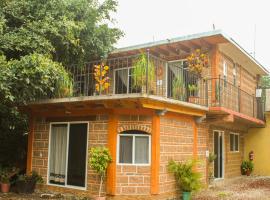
<point x="248" y="172"/>
<point x="100" y="198"/>
<point x="5" y="187"/>
<point x="193" y="99"/>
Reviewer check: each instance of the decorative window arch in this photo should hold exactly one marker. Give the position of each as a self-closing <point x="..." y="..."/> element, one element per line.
<point x="134" y="147"/>
<point x="143" y="128"/>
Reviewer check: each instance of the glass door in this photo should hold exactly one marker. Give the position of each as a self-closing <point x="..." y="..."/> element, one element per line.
<point x="218" y="150"/>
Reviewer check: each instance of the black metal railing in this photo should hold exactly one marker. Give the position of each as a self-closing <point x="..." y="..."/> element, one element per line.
<point x="227" y="95"/>
<point x="148" y="74"/>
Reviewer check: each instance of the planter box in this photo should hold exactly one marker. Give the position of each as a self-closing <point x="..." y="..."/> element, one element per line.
<point x="26" y="187"/>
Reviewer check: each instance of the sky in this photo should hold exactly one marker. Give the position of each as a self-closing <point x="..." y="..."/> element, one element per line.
<point x="245" y="21"/>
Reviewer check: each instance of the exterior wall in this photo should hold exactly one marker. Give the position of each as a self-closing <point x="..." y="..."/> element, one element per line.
<point x="258" y="140"/>
<point x="232" y="160"/>
<point x="133" y="180"/>
<point x="176" y="143"/>
<point x="97" y="136"/>
<point x="244" y="79"/>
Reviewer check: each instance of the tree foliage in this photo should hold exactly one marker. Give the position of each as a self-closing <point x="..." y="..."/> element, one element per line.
<point x="38" y="39"/>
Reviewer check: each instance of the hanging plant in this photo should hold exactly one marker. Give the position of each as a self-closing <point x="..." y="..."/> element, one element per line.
<point x="101" y="77"/>
<point x="197" y="61"/>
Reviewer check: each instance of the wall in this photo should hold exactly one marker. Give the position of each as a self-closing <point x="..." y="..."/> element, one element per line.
<point x="176" y="143"/>
<point x="258" y="140"/>
<point x="232" y="160"/>
<point x="97" y="136"/>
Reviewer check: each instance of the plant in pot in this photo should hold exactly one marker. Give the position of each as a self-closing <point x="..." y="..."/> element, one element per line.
<point x="193" y="90"/>
<point x="99" y="160"/>
<point x="141" y="75"/>
<point x="27" y="183"/>
<point x="247" y="167"/>
<point x="5" y="176"/>
<point x="197" y="61"/>
<point x="186" y="177"/>
<point x="212" y="157"/>
<point x="178" y="89"/>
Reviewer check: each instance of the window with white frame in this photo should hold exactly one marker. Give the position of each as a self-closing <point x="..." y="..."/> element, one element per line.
<point x="234" y="75"/>
<point x="234" y="142"/>
<point x="134" y="148"/>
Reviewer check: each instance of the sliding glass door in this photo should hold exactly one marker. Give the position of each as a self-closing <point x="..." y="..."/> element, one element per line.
<point x="68" y="150"/>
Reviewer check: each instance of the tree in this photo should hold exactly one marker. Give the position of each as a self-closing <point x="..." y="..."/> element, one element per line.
<point x="38" y="39"/>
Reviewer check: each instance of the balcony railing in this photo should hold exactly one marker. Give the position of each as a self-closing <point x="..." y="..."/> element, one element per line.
<point x="156" y="76"/>
<point x="227" y="95"/>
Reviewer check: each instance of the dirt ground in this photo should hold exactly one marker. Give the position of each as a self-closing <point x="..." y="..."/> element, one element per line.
<point x="242" y="188"/>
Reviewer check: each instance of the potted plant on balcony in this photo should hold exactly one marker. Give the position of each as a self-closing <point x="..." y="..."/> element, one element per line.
<point x="193" y="90"/>
<point x="186" y="177"/>
<point x="140" y="74"/>
<point x="101" y="78"/>
<point x="197" y="61"/>
<point x="99" y="160"/>
<point x="178" y="88"/>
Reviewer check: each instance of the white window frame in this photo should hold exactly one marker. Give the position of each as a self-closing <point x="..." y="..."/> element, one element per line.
<point x="133" y="149"/>
<point x="128" y="77"/>
<point x="49" y="151"/>
<point x="234" y="134"/>
<point x="225" y="69"/>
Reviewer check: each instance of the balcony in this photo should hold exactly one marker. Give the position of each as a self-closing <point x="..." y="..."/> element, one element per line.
<point x="146" y="74"/>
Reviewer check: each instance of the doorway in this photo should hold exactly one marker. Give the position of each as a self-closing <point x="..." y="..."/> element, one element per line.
<point x="219" y="152"/>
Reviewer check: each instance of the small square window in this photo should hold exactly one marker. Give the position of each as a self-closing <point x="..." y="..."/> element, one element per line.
<point x="234" y="142"/>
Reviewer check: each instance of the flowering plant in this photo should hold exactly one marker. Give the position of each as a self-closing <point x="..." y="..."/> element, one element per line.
<point x="102" y="80"/>
<point x="197" y="61"/>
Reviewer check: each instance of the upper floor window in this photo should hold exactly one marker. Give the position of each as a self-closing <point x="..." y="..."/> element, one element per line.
<point x="234" y="75"/>
<point x="225" y="72"/>
<point x="134" y="148"/>
<point x="234" y="142"/>
<point x="124" y="81"/>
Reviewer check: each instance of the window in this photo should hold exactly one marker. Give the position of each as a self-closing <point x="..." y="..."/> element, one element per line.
<point x="134" y="148"/>
<point x="124" y="81"/>
<point x="67" y="155"/>
<point x="234" y="142"/>
<point x="225" y="72"/>
<point x="234" y="75"/>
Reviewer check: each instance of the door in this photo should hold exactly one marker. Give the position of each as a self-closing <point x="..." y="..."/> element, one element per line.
<point x="218" y="151"/>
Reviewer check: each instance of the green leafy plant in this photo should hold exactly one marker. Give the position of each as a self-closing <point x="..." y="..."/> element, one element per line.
<point x="212" y="157"/>
<point x="186" y="177"/>
<point x="192" y="88"/>
<point x="178" y="89"/>
<point x="139" y="71"/>
<point x="247" y="166"/>
<point x="99" y="160"/>
<point x="26" y="183"/>
<point x="7" y="173"/>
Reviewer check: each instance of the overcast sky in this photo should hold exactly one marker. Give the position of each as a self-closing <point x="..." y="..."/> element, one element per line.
<point x="151" y="20"/>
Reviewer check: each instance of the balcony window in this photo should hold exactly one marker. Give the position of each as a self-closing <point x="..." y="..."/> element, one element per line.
<point x="123" y="81"/>
<point x="225" y="72"/>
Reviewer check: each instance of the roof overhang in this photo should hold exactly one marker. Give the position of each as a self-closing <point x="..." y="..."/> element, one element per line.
<point x="205" y="39"/>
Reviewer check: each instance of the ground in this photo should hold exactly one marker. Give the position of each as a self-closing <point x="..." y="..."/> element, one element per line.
<point x="242" y="188"/>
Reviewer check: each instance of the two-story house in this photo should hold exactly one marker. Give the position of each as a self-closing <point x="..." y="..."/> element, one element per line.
<point x="148" y="116"/>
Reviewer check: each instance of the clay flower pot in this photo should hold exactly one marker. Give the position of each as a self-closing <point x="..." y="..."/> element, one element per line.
<point x="5" y="187"/>
<point x="248" y="172"/>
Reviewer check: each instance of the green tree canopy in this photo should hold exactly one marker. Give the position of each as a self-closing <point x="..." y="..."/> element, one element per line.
<point x="38" y="38"/>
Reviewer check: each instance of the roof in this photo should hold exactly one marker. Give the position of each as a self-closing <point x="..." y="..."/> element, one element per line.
<point x="215" y="34"/>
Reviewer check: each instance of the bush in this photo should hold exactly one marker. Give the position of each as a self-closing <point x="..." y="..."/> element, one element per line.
<point x="247" y="166"/>
<point x="186" y="178"/>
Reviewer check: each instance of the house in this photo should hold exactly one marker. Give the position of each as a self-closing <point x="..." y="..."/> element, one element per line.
<point x="166" y="112"/>
<point x="257" y="141"/>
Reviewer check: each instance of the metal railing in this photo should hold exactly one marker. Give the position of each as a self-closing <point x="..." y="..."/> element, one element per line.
<point x="227" y="95"/>
<point x="155" y="76"/>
